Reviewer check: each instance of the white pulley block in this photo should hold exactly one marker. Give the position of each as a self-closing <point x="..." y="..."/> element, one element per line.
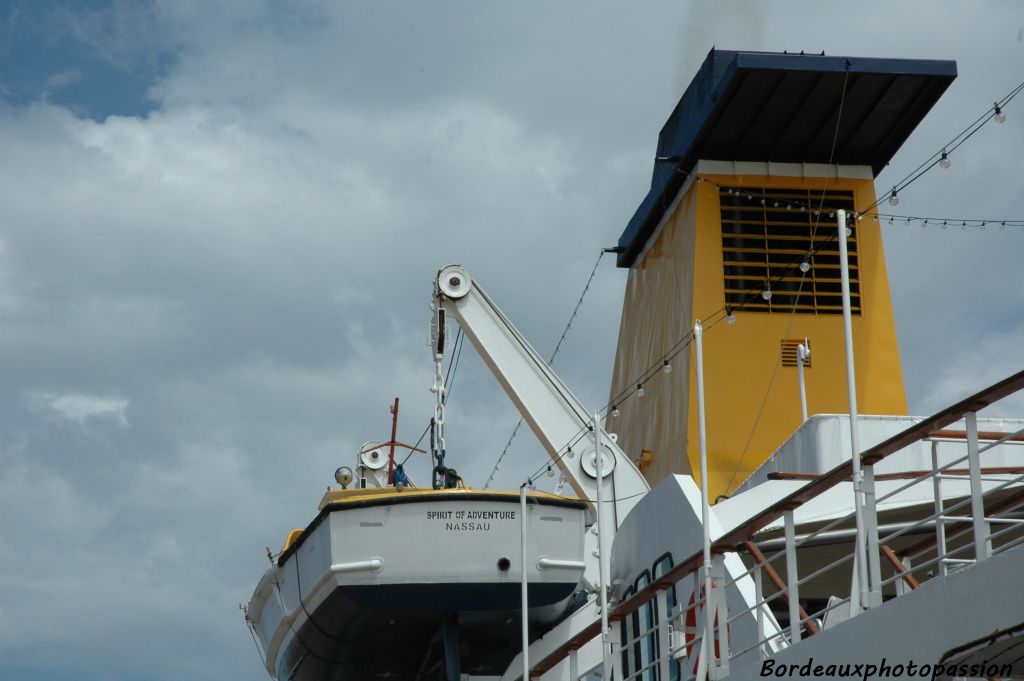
<point x="373" y="458"/>
<point x="454" y="282"/>
<point x="588" y="461"/>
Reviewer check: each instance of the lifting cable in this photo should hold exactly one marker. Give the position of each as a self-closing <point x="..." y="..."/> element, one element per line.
<point x="551" y="360"/>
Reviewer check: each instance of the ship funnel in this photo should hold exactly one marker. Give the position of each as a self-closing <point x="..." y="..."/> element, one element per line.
<point x="739" y="230"/>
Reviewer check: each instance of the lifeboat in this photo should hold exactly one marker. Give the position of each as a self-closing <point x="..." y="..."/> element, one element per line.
<point x="416" y="583"/>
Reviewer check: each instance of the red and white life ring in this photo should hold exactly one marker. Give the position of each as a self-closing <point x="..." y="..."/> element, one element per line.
<point x="693" y="611"/>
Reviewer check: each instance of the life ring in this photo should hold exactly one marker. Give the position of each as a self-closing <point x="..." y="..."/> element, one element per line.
<point x="690" y="629"/>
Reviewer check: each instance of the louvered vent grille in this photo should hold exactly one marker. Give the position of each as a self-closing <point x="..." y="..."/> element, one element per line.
<point x="765" y="235"/>
<point x="789" y="352"/>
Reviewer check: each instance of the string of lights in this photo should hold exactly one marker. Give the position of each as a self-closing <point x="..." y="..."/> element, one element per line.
<point x="941" y="158"/>
<point x="663" y="365"/>
<point x="725" y="313"/>
<point x="948" y="222"/>
<point x="551" y="361"/>
<point x="802" y="264"/>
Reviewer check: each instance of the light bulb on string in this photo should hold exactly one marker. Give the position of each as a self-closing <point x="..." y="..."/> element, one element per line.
<point x="730" y="318"/>
<point x="666" y="367"/>
<point x="551" y="472"/>
<point x="944" y="161"/>
<point x="640" y="390"/>
<point x="999" y="116"/>
<point x="805" y="265"/>
<point x="894" y="199"/>
<point x="615" y="411"/>
<point x="569" y="453"/>
<point x="766" y="293"/>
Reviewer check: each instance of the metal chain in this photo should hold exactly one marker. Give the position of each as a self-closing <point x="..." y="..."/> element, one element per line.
<point x="438" y="389"/>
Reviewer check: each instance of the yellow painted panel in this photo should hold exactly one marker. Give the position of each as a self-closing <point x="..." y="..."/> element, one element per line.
<point x="752" y="402"/>
<point x="656" y="313"/>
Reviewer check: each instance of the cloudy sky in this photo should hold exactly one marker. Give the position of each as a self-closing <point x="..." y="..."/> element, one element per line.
<point x="218" y="227"/>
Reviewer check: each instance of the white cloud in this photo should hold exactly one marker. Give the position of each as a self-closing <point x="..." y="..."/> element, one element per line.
<point x="79" y="408"/>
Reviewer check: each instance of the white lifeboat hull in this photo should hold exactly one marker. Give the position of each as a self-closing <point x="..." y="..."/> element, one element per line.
<point x="369" y="585"/>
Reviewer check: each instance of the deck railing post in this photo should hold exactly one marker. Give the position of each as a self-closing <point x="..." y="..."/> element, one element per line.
<point x="803" y="353"/>
<point x="705" y="497"/>
<point x="721" y="605"/>
<point x="524" y="591"/>
<point x="982" y="543"/>
<point x="664" y="642"/>
<point x="871" y="532"/>
<point x="792" y="589"/>
<point x="574" y="665"/>
<point x="940" y="523"/>
<point x="602" y="548"/>
<point x="616" y="657"/>
<point x="759" y="601"/>
<point x="864" y="596"/>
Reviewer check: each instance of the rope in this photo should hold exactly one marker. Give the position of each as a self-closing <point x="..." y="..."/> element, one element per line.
<point x="551" y="361"/>
<point x="259" y="651"/>
<point x="952" y="145"/>
<point x="309" y="616"/>
<point x="722" y="313"/>
<point x="800" y="290"/>
<point x="453" y="365"/>
<point x="295" y="634"/>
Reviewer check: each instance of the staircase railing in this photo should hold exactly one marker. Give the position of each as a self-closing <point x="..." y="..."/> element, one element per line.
<point x="952" y="537"/>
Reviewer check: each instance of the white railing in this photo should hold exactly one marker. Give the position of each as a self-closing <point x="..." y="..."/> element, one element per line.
<point x="648" y="646"/>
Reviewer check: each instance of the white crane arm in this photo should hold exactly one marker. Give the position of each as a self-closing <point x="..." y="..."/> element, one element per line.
<point x="554" y="414"/>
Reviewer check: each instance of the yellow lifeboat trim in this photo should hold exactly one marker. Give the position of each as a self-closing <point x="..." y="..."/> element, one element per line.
<point x="336" y="497"/>
<point x="343" y="496"/>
